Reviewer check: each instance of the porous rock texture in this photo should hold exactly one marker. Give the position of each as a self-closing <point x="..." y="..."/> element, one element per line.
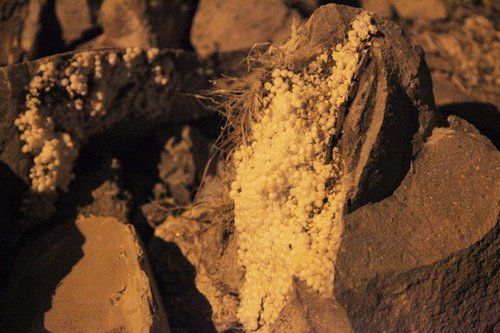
<point x="90" y="276"/>
<point x="109" y="199"/>
<point x="224" y="26"/>
<point x="388" y="116"/>
<point x="390" y="111"/>
<point x="138" y="86"/>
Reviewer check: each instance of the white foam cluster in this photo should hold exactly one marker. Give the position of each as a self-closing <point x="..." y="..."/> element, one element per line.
<point x="52" y="133"/>
<point x="287" y="193"/>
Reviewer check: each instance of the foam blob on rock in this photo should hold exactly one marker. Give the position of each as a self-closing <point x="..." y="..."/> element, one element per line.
<point x="287" y="187"/>
<point x="69" y="101"/>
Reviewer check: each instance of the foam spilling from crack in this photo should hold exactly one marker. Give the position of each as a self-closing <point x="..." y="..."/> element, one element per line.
<point x="68" y="101"/>
<point x="287" y="192"/>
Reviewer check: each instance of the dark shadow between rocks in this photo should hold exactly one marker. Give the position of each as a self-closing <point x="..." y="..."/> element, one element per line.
<point x="187" y="309"/>
<point x="484" y="116"/>
<point x="11" y="195"/>
<point x="49" y="40"/>
<point x="40" y="268"/>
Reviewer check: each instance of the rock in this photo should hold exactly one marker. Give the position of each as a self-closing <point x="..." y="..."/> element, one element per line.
<point x="391" y="111"/>
<point x="16" y="42"/>
<point x="455" y="294"/>
<point x="182" y="164"/>
<point x="188" y="310"/>
<point x="127" y="84"/>
<point x="90" y="276"/>
<point x="380" y="7"/>
<point x="421" y="10"/>
<point x="77" y="19"/>
<point x="483" y="116"/>
<point x="163" y="24"/>
<point x="28" y="30"/>
<point x="389" y="116"/>
<point x="224" y="26"/>
<point x="307" y="7"/>
<point x="109" y="200"/>
<point x="157" y="211"/>
<point x="399" y="254"/>
<point x="208" y="244"/>
<point x="306" y="312"/>
<point x="427" y="10"/>
<point x="461" y="53"/>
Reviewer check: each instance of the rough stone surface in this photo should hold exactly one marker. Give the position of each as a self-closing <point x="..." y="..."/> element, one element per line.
<point x="456" y="294"/>
<point x="24" y="24"/>
<point x="421" y="10"/>
<point x="139" y="23"/>
<point x="427" y="10"/>
<point x="380" y="7"/>
<point x="205" y="236"/>
<point x="391" y="110"/>
<point x="387" y="120"/>
<point x="14" y="16"/>
<point x="484" y="117"/>
<point x="225" y="25"/>
<point x="459" y="39"/>
<point x="109" y="200"/>
<point x="77" y="20"/>
<point x="187" y="309"/>
<point x="91" y="276"/>
<point x="462" y="55"/>
<point x="182" y="163"/>
<point x="306" y="312"/>
<point x="13" y="80"/>
<point x="405" y="261"/>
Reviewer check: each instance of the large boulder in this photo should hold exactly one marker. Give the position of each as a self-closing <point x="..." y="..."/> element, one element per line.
<point x="404" y="261"/>
<point x="388" y="116"/>
<point x="224" y="26"/>
<point x="90" y="276"/>
<point x="391" y="108"/>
